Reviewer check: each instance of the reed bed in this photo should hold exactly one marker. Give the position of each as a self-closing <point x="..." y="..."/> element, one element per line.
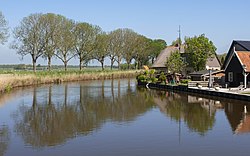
<point x="14" y="79"/>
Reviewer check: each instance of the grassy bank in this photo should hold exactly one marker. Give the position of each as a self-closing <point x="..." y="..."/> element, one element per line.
<point x="13" y="79"/>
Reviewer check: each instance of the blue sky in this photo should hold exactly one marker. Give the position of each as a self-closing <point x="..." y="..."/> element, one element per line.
<point x="220" y="20"/>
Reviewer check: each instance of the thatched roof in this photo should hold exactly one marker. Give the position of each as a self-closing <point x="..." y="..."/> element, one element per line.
<point x="162" y="57"/>
<point x="160" y="61"/>
<point x="213" y="62"/>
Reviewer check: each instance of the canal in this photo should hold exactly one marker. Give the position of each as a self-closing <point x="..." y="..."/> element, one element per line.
<point x="115" y="117"/>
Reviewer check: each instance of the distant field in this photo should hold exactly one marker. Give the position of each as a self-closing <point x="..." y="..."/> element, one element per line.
<point x="56" y="69"/>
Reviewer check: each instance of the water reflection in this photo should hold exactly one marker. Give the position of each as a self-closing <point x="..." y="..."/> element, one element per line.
<point x="57" y="113"/>
<point x="197" y="114"/>
<point x="4" y="139"/>
<point x="198" y="111"/>
<point x="238" y="117"/>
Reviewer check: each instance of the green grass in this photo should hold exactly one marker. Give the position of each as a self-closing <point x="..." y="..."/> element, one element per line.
<point x="245" y="93"/>
<point x="57" y="71"/>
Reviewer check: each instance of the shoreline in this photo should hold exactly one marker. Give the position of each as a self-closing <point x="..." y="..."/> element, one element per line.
<point x="15" y="80"/>
<point x="204" y="91"/>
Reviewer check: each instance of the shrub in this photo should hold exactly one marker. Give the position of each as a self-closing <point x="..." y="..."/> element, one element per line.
<point x="151" y="72"/>
<point x="185" y="81"/>
<point x="141" y="78"/>
<point x="162" y="77"/>
<point x="153" y="80"/>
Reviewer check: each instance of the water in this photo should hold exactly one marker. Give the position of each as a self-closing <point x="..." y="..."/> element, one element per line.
<point x="118" y="118"/>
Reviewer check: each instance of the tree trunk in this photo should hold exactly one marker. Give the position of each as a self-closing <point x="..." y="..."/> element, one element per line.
<point x="118" y="65"/>
<point x="135" y="65"/>
<point x="80" y="65"/>
<point x="128" y="66"/>
<point x="153" y="60"/>
<point x="65" y="65"/>
<point x="34" y="65"/>
<point x="102" y="62"/>
<point x="112" y="64"/>
<point x="49" y="63"/>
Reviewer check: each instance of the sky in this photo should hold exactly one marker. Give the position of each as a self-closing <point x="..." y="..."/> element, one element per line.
<point x="222" y="21"/>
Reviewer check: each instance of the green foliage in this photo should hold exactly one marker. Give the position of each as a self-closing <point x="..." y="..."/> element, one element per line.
<point x="222" y="57"/>
<point x="154" y="80"/>
<point x="141" y="78"/>
<point x="162" y="77"/>
<point x="20" y="67"/>
<point x="155" y="47"/>
<point x="175" y="62"/>
<point x="148" y="76"/>
<point x="198" y="50"/>
<point x="184" y="81"/>
<point x="142" y="52"/>
<point x="84" y="41"/>
<point x="125" y="66"/>
<point x="151" y="72"/>
<point x="7" y="88"/>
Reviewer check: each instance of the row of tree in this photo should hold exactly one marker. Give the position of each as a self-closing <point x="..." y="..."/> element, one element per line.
<point x="51" y="35"/>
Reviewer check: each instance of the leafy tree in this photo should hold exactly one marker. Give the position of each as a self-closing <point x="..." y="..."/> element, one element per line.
<point x="175" y="63"/>
<point x="112" y="46"/>
<point x="199" y="48"/>
<point x="129" y="45"/>
<point x="101" y="48"/>
<point x="142" y="51"/>
<point x="3" y="29"/>
<point x="222" y="57"/>
<point x="65" y="41"/>
<point x="29" y="38"/>
<point x="84" y="41"/>
<point x="156" y="46"/>
<point x="50" y="26"/>
<point x="116" y="47"/>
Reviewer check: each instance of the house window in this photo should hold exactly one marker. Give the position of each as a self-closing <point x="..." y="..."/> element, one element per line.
<point x="230" y="76"/>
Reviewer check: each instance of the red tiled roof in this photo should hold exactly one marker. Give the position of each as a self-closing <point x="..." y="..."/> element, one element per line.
<point x="244" y="126"/>
<point x="244" y="57"/>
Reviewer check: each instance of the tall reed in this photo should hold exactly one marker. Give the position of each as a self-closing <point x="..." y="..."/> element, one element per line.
<point x="13" y="79"/>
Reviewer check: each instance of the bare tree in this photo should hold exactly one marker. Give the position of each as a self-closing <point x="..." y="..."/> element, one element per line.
<point x="65" y="41"/>
<point x="29" y="38"/>
<point x="51" y="27"/>
<point x="101" y="48"/>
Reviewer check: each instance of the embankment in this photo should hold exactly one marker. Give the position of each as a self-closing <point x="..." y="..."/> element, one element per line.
<point x="14" y="80"/>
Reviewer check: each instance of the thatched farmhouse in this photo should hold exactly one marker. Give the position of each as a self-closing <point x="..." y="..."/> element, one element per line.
<point x="212" y="63"/>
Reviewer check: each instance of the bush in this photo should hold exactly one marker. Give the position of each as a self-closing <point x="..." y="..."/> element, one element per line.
<point x="141" y="78"/>
<point x="185" y="81"/>
<point x="154" y="80"/>
<point x="162" y="77"/>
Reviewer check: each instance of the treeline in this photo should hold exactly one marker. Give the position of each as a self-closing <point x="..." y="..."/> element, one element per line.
<point x="51" y="35"/>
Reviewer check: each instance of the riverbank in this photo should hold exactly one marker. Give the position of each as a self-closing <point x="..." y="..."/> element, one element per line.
<point x="12" y="80"/>
<point x="221" y="92"/>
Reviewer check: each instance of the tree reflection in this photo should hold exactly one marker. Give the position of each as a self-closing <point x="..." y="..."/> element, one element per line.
<point x="4" y="139"/>
<point x="177" y="106"/>
<point x="69" y="111"/>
